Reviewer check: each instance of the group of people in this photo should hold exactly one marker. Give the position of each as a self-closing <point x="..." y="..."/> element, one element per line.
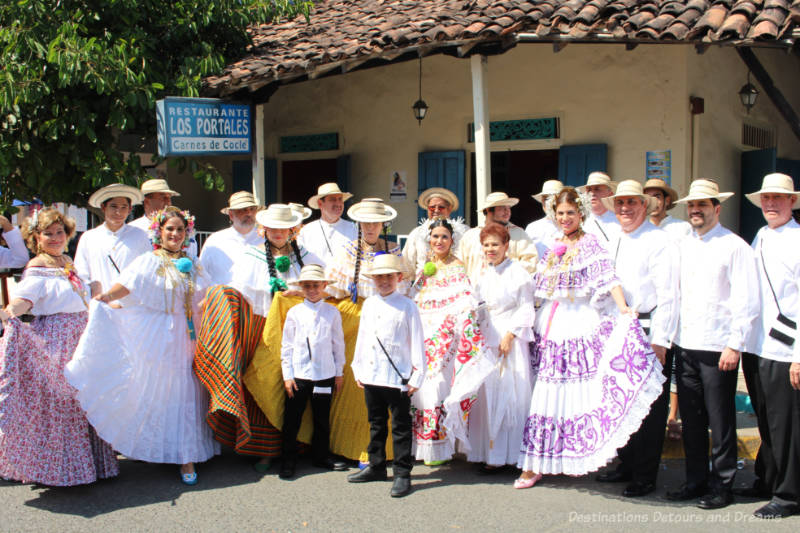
<point x="550" y="349"/>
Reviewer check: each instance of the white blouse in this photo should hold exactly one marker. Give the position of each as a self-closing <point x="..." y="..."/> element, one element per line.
<point x="102" y="251"/>
<point x="605" y="227"/>
<point x="161" y="289"/>
<point x="520" y="248"/>
<point x="51" y="292"/>
<point x="507" y="290"/>
<point x="678" y="229"/>
<point x="16" y="255"/>
<point x="318" y="326"/>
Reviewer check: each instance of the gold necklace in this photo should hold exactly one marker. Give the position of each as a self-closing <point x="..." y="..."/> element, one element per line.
<point x="51" y="260"/>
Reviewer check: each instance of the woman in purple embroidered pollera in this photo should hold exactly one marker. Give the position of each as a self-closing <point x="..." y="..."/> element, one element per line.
<point x="596" y="372"/>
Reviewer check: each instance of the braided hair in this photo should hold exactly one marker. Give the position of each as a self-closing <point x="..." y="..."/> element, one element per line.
<point x="359" y="255"/>
<point x="273" y="272"/>
<point x="296" y="250"/>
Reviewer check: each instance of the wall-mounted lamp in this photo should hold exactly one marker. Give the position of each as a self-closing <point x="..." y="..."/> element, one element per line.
<point x="748" y="94"/>
<point x="420" y="107"/>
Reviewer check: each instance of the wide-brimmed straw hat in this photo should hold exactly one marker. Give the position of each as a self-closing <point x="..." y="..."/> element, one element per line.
<point x="327" y="189"/>
<point x="278" y="216"/>
<point x="598" y="178"/>
<point x="311" y="273"/>
<point x="157" y="185"/>
<point x="371" y="210"/>
<point x="301" y="210"/>
<point x="115" y="190"/>
<point x="387" y="264"/>
<point x="240" y="200"/>
<point x="658" y="183"/>
<point x="438" y="192"/>
<point x="630" y="188"/>
<point x="704" y="190"/>
<point x="549" y="188"/>
<point x="498" y="199"/>
<point x="775" y="183"/>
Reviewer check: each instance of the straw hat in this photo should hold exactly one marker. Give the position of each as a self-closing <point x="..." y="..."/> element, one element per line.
<point x="776" y="183"/>
<point x="371" y="210"/>
<point x="497" y="199"/>
<point x="311" y="273"/>
<point x="438" y="192"/>
<point x="240" y="200"/>
<point x="630" y="188"/>
<point x="278" y="216"/>
<point x="549" y="188"/>
<point x="327" y="189"/>
<point x="157" y="185"/>
<point x="598" y="178"/>
<point x="703" y="190"/>
<point x="115" y="190"/>
<point x="301" y="210"/>
<point x="658" y="183"/>
<point x="386" y="264"/>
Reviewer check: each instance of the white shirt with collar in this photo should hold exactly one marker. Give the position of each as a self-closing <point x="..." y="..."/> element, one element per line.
<point x="16" y="255"/>
<point x="543" y="233"/>
<point x="102" y="251"/>
<point x="318" y="326"/>
<point x="605" y="227"/>
<point x="677" y="229"/>
<point x="324" y="240"/>
<point x="520" y="248"/>
<point x="395" y="321"/>
<point x="222" y="249"/>
<point x="648" y="266"/>
<point x="143" y="223"/>
<point x="781" y="250"/>
<point x="719" y="297"/>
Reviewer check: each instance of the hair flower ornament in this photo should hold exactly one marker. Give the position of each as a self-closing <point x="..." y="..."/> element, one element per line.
<point x="154" y="231"/>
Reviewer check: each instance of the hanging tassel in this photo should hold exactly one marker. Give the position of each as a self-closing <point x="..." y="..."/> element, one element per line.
<point x="353" y="288"/>
<point x="190" y="323"/>
<point x="277" y="285"/>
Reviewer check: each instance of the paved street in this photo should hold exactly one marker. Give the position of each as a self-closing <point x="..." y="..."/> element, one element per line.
<point x="232" y="497"/>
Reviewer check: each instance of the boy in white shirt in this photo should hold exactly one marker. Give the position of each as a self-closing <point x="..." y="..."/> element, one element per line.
<point x="389" y="364"/>
<point x="312" y="361"/>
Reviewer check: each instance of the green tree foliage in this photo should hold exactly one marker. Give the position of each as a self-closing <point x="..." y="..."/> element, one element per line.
<point x="76" y="74"/>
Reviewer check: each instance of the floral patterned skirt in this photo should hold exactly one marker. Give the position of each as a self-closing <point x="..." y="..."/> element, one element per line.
<point x="44" y="435"/>
<point x="596" y="379"/>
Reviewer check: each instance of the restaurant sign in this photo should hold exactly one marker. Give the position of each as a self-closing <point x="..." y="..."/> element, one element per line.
<point x="202" y="126"/>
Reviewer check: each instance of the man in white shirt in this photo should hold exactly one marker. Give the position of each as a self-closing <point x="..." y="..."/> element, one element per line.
<point x="543" y="231"/>
<point x="16" y="255"/>
<point x="646" y="262"/>
<point x="224" y="247"/>
<point x="157" y="196"/>
<point x="324" y="237"/>
<point x="666" y="197"/>
<point x="602" y="222"/>
<point x="439" y="203"/>
<point x="520" y="248"/>
<point x="774" y="376"/>
<point x="719" y="304"/>
<point x="103" y="252"/>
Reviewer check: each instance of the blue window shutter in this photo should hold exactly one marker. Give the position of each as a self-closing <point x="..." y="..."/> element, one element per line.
<point x="271" y="180"/>
<point x="446" y="170"/>
<point x="576" y="161"/>
<point x="243" y="176"/>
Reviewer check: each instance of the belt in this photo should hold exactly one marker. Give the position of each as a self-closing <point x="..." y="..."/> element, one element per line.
<point x="644" y="320"/>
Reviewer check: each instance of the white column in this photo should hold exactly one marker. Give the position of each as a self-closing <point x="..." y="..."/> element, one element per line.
<point x="259" y="187"/>
<point x="480" y="105"/>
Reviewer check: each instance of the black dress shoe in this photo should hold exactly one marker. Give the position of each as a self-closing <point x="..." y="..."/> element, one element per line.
<point x="613" y="476"/>
<point x="400" y="487"/>
<point x="775" y="510"/>
<point x="755" y="492"/>
<point x="287" y="470"/>
<point x="489" y="470"/>
<point x="368" y="474"/>
<point x="638" y="489"/>
<point x="686" y="492"/>
<point x="330" y="464"/>
<point x="716" y="500"/>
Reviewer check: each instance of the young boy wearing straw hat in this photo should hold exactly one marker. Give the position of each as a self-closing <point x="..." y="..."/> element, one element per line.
<point x="389" y="364"/>
<point x="312" y="361"/>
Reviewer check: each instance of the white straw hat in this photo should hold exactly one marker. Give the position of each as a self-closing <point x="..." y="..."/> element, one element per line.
<point x="278" y="216"/>
<point x="240" y="200"/>
<point x="371" y="210"/>
<point x="776" y="183"/>
<point x="438" y="192"/>
<point x="630" y="188"/>
<point x="549" y="187"/>
<point x="301" y="210"/>
<point x="115" y="190"/>
<point x="327" y="189"/>
<point x="704" y="190"/>
<point x="658" y="183"/>
<point x="386" y="264"/>
<point x="497" y="199"/>
<point x="598" y="178"/>
<point x="157" y="185"/>
<point x="311" y="273"/>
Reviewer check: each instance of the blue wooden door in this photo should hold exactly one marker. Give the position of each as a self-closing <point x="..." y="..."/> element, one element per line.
<point x="755" y="165"/>
<point x="446" y="170"/>
<point x="576" y="161"/>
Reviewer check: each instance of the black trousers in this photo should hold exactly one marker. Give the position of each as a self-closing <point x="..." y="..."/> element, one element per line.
<point x="641" y="456"/>
<point x="707" y="399"/>
<point x="380" y="401"/>
<point x="782" y="407"/>
<point x="320" y="411"/>
<point x="765" y="462"/>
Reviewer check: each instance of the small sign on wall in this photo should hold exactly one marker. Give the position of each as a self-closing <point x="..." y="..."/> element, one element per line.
<point x="659" y="165"/>
<point x="399" y="186"/>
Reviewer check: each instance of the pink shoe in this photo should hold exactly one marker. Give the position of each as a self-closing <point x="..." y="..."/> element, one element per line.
<point x="521" y="483"/>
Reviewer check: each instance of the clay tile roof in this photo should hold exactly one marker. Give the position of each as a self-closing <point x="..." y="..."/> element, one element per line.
<point x="347" y="33"/>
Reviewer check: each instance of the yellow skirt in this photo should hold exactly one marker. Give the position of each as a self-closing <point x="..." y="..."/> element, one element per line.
<point x="264" y="379"/>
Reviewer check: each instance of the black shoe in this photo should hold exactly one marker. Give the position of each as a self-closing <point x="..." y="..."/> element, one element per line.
<point x="613" y="476"/>
<point x="287" y="470"/>
<point x="756" y="492"/>
<point x="400" y="487"/>
<point x="330" y="464"/>
<point x="716" y="500"/>
<point x="488" y="470"/>
<point x="637" y="489"/>
<point x="775" y="510"/>
<point x="368" y="474"/>
<point x="687" y="492"/>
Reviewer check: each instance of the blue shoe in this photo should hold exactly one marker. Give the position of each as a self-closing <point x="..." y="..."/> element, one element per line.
<point x="189" y="479"/>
